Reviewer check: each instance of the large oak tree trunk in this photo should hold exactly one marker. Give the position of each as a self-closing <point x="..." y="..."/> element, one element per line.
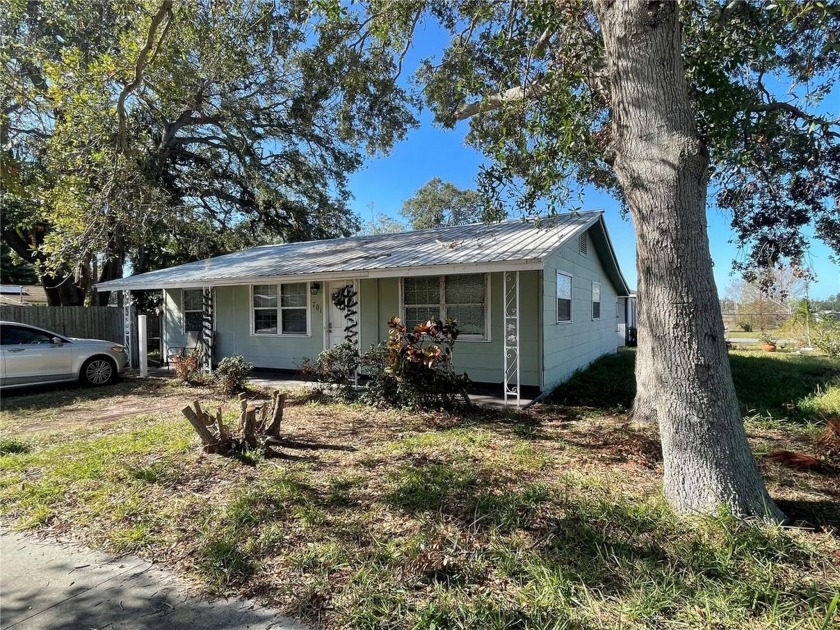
<point x="662" y="167"/>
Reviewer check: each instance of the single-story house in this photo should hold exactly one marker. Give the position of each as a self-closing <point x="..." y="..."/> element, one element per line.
<point x="534" y="300"/>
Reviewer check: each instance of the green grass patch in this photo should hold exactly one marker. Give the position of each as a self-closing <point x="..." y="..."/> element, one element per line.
<point x="12" y="446"/>
<point x="775" y="386"/>
<point x="608" y="383"/>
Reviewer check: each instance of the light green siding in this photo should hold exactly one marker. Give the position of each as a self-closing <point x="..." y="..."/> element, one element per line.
<point x="569" y="346"/>
<point x="233" y="332"/>
<point x="378" y="301"/>
<point x="370" y="323"/>
<point x="482" y="360"/>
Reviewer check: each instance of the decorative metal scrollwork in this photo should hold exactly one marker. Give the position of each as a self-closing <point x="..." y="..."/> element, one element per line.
<point x="344" y="299"/>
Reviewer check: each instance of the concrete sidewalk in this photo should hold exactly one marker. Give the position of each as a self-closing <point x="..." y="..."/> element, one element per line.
<point x="48" y="585"/>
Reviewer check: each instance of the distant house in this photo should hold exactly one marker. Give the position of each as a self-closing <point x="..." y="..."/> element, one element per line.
<point x="26" y="295"/>
<point x="534" y="301"/>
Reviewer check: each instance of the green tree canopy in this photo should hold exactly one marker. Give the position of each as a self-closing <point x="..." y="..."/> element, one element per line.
<point x="758" y="77"/>
<point x="13" y="270"/>
<point x="438" y="203"/>
<point x="161" y="131"/>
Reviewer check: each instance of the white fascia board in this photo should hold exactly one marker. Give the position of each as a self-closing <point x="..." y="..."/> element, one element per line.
<point x="533" y="264"/>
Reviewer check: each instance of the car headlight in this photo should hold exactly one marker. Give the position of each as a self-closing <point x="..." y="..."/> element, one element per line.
<point x="117" y="349"/>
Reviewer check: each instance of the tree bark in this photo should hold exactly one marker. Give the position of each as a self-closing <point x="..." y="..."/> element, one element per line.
<point x="662" y="167"/>
<point x="644" y="404"/>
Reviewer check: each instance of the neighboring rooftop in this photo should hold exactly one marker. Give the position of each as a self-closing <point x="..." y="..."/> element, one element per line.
<point x="497" y="246"/>
<point x="26" y="295"/>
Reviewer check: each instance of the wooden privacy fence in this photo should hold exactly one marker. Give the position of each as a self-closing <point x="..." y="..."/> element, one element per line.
<point x="91" y="322"/>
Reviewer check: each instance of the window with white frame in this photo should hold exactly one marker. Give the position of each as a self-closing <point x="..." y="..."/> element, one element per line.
<point x="462" y="298"/>
<point x="564" y="297"/>
<point x="596" y="300"/>
<point x="280" y="309"/>
<point x="192" y="309"/>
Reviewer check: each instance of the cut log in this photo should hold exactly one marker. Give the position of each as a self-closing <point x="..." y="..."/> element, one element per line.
<point x="220" y="427"/>
<point x="249" y="433"/>
<point x="243" y="410"/>
<point x="207" y="438"/>
<point x="273" y="429"/>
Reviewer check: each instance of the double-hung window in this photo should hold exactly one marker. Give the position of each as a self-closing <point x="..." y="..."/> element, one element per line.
<point x="462" y="298"/>
<point x="596" y="300"/>
<point x="564" y="297"/>
<point x="280" y="309"/>
<point x="193" y="310"/>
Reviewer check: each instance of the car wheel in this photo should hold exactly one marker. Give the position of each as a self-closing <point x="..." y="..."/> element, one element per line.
<point x="99" y="371"/>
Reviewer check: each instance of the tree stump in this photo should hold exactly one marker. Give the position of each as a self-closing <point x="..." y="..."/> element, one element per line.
<point x="252" y="433"/>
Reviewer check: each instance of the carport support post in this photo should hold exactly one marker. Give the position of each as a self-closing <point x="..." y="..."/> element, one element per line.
<point x="127" y="327"/>
<point x="142" y="346"/>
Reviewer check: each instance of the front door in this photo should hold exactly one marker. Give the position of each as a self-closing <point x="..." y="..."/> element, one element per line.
<point x="337" y="318"/>
<point x="621" y="320"/>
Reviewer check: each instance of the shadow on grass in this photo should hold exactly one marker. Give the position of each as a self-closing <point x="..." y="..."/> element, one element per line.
<point x="315" y="446"/>
<point x="776" y="384"/>
<point x="460" y="491"/>
<point x="821" y="515"/>
<point x="583" y="539"/>
<point x="41" y="397"/>
<point x="765" y="383"/>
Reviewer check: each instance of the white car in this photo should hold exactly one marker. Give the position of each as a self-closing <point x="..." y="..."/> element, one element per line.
<point x="34" y="356"/>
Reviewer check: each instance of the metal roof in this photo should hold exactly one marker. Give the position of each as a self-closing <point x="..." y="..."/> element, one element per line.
<point x="490" y="247"/>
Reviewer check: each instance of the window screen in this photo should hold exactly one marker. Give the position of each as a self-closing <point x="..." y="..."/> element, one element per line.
<point x="596" y="300"/>
<point x="421" y="297"/>
<point x="462" y="298"/>
<point x="193" y="311"/>
<point x="564" y="297"/>
<point x="465" y="301"/>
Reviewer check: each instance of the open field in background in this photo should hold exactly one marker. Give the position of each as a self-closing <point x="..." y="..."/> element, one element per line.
<point x="384" y="519"/>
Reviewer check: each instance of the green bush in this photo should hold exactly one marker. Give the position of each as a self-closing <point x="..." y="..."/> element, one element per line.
<point x="232" y="373"/>
<point x="335" y="366"/>
<point x="381" y="388"/>
<point x="420" y="363"/>
<point x="826" y="337"/>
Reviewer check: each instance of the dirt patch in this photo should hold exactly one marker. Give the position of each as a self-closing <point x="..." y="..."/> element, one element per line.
<point x="49" y="410"/>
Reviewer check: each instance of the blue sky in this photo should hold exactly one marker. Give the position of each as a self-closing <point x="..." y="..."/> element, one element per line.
<point x="430" y="152"/>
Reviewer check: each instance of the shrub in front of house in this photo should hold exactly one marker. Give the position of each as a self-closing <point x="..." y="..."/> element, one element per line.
<point x="420" y="363"/>
<point x="188" y="367"/>
<point x="231" y="374"/>
<point x="413" y="369"/>
<point x="336" y="367"/>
